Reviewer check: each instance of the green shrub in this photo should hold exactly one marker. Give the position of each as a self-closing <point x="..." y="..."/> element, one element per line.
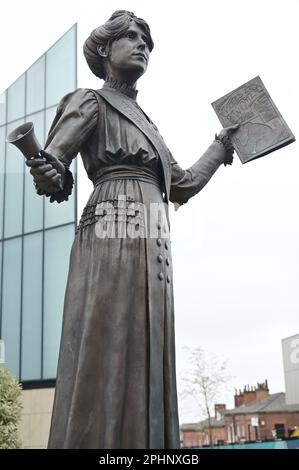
<point x="10" y="410"/>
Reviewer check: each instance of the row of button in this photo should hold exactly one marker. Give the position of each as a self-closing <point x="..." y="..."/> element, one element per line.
<point x="159" y="226"/>
<point x="160" y="259"/>
<point x="161" y="277"/>
<point x="159" y="243"/>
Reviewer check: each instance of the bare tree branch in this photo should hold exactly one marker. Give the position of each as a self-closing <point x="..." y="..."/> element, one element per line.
<point x="203" y="380"/>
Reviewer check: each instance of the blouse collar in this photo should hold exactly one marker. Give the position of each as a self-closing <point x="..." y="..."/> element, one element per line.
<point x="123" y="87"/>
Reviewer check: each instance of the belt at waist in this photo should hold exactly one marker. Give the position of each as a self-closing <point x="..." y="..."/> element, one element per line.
<point x="125" y="172"/>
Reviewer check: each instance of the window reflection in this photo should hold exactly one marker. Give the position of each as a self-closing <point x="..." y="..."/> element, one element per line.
<point x="32" y="307"/>
<point x="25" y="212"/>
<point x="2" y="161"/>
<point x="11" y="302"/>
<point x="58" y="244"/>
<point x="16" y="99"/>
<point x="35" y="86"/>
<point x="3" y="108"/>
<point x="13" y="188"/>
<point x="60" y="68"/>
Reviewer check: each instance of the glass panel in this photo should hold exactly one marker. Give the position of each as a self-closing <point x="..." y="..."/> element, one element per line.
<point x="38" y="120"/>
<point x="11" y="303"/>
<point x="2" y="160"/>
<point x="16" y="99"/>
<point x="35" y="87"/>
<point x="0" y="284"/>
<point x="13" y="188"/>
<point x="32" y="307"/>
<point x="60" y="68"/>
<point x="3" y="108"/>
<point x="33" y="203"/>
<point x="50" y="114"/>
<point x="57" y="249"/>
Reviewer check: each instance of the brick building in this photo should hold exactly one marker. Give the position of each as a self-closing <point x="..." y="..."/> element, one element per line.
<point x="198" y="434"/>
<point x="257" y="415"/>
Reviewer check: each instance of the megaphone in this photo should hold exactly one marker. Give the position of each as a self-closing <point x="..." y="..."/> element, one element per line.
<point x="25" y="139"/>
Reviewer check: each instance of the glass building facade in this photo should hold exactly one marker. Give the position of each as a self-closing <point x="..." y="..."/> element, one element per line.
<point x="35" y="235"/>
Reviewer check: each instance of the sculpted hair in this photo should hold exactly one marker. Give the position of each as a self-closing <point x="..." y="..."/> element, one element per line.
<point x="114" y="28"/>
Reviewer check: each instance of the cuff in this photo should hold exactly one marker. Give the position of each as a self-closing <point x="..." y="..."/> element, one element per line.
<point x="227" y="145"/>
<point x="64" y="194"/>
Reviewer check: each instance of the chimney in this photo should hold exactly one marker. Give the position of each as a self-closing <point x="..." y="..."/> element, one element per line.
<point x="262" y="391"/>
<point x="249" y="394"/>
<point x="219" y="411"/>
<point x="239" y="398"/>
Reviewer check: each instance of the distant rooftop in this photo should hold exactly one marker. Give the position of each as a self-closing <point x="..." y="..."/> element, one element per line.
<point x="274" y="403"/>
<point x="201" y="425"/>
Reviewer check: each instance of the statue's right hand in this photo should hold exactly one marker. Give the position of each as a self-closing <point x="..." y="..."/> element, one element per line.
<point x="46" y="177"/>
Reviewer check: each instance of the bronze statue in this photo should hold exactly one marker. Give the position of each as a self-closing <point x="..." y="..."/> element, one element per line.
<point x="116" y="380"/>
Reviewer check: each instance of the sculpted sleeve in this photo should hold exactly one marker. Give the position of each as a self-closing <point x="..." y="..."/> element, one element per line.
<point x="76" y="118"/>
<point x="186" y="183"/>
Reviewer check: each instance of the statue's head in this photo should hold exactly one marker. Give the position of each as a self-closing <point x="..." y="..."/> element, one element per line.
<point x="120" y="47"/>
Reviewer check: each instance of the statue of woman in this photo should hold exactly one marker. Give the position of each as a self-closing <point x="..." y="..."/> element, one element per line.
<point x="116" y="379"/>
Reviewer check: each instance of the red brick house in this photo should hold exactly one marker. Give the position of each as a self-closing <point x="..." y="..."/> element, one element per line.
<point x="257" y="415"/>
<point x="198" y="434"/>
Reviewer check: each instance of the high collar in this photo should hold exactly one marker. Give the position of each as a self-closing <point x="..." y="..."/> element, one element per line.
<point x="123" y="87"/>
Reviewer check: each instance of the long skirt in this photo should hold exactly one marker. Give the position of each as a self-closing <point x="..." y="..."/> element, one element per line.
<point x="116" y="379"/>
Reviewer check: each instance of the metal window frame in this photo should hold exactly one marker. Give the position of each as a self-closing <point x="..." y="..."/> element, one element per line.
<point x="39" y="382"/>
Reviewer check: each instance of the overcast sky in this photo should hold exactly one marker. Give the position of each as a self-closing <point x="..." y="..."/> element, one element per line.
<point x="234" y="245"/>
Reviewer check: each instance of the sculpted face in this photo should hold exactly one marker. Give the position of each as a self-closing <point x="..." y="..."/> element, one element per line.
<point x="128" y="56"/>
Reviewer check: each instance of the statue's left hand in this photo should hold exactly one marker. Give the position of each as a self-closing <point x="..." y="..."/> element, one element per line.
<point x="228" y="131"/>
<point x="224" y="137"/>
